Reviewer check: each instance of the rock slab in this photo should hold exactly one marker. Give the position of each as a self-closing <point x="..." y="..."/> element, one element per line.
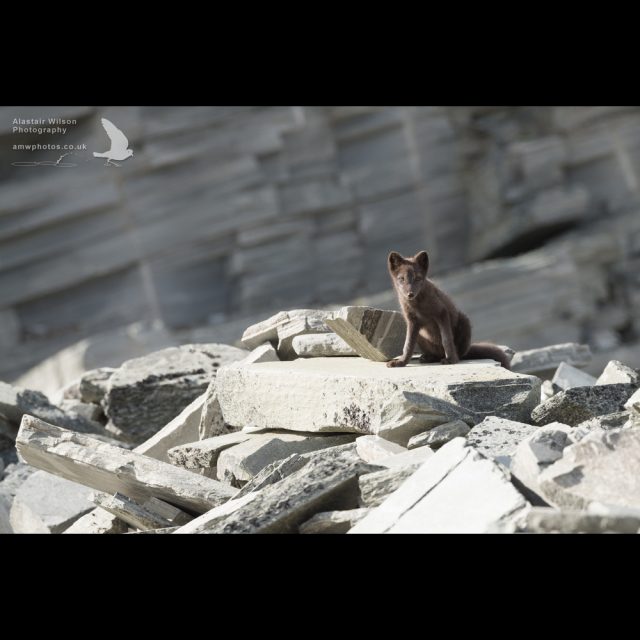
<point x="372" y="333"/>
<point x="458" y="490"/>
<point x="360" y="396"/>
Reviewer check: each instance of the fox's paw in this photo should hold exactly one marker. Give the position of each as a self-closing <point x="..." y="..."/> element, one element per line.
<point x="448" y="361"/>
<point x="396" y="363"/>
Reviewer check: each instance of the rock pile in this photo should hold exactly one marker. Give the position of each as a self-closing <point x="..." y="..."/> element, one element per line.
<point x="296" y="436"/>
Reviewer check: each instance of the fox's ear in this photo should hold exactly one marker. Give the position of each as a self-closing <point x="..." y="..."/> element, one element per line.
<point x="394" y="260"/>
<point x="422" y="259"/>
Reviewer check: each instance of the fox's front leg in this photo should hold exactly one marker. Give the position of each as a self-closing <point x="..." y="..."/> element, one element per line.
<point x="450" y="351"/>
<point x="409" y="345"/>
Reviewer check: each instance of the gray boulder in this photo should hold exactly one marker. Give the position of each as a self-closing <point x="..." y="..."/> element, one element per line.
<point x="576" y="405"/>
<point x="602" y="467"/>
<point x="146" y="393"/>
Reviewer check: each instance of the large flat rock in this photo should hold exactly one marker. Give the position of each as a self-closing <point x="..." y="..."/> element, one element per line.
<point x="357" y="395"/>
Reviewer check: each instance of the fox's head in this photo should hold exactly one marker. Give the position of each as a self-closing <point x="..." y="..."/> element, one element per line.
<point x="408" y="274"/>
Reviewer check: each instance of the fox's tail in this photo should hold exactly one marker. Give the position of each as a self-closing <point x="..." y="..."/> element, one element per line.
<point x="480" y="350"/>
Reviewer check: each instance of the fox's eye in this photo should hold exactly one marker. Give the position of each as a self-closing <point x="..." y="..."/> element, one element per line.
<point x="401" y="279"/>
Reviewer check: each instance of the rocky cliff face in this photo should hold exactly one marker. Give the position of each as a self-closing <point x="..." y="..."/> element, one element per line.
<point x="227" y="212"/>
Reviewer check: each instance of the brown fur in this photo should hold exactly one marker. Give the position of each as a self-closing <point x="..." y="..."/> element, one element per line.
<point x="441" y="331"/>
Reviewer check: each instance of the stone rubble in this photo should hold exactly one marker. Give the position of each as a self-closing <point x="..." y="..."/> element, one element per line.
<point x="291" y="438"/>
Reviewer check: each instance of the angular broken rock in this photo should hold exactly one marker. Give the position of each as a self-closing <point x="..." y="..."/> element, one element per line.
<point x="546" y="520"/>
<point x="376" y="487"/>
<point x="154" y="514"/>
<point x="333" y="521"/>
<point x="281" y="469"/>
<point x="16" y="402"/>
<point x="602" y="467"/>
<point x="98" y="521"/>
<point x="539" y="450"/>
<point x="360" y="396"/>
<point x="605" y="422"/>
<point x="203" y="454"/>
<point x="316" y="345"/>
<point x="265" y="331"/>
<point x="615" y="372"/>
<point x="94" y="383"/>
<point x="263" y="353"/>
<point x="407" y="458"/>
<point x="101" y="466"/>
<point x="320" y="485"/>
<point x="547" y="390"/>
<point x="439" y="435"/>
<point x="495" y="437"/>
<point x="218" y="514"/>
<point x="372" y="333"/>
<point x="211" y="421"/>
<point x="567" y="377"/>
<point x="146" y="393"/>
<point x="374" y="448"/>
<point x="300" y="322"/>
<point x="545" y="358"/>
<point x="45" y="503"/>
<point x="183" y="428"/>
<point x="458" y="490"/>
<point x="238" y="464"/>
<point x="582" y="403"/>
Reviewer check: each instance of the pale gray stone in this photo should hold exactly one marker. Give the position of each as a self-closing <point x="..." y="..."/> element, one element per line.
<point x="357" y="395"/>
<point x="458" y="490"/>
<point x="535" y="360"/>
<point x="547" y="390"/>
<point x="110" y="469"/>
<point x="373" y="333"/>
<point x="263" y="353"/>
<point x="376" y="487"/>
<point x="495" y="437"/>
<point x="280" y="469"/>
<point x="98" y="521"/>
<point x="605" y="422"/>
<point x="567" y="377"/>
<point x="315" y="345"/>
<point x="282" y="507"/>
<point x="153" y="514"/>
<point x="602" y="467"/>
<point x="374" y="448"/>
<point x="333" y="521"/>
<point x="406" y="458"/>
<point x="615" y="372"/>
<point x="216" y="515"/>
<point x="576" y="405"/>
<point x="633" y="403"/>
<point x="146" y="393"/>
<point x="539" y="450"/>
<point x="94" y="383"/>
<point x="548" y="520"/>
<point x="16" y="402"/>
<point x="45" y="503"/>
<point x="211" y="421"/>
<point x="204" y="454"/>
<point x="238" y="464"/>
<point x="440" y="435"/>
<point x="181" y="430"/>
<point x="265" y="331"/>
<point x="87" y="410"/>
<point x="300" y="322"/>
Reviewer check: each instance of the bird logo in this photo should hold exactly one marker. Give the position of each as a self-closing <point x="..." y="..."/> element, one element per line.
<point x="119" y="144"/>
